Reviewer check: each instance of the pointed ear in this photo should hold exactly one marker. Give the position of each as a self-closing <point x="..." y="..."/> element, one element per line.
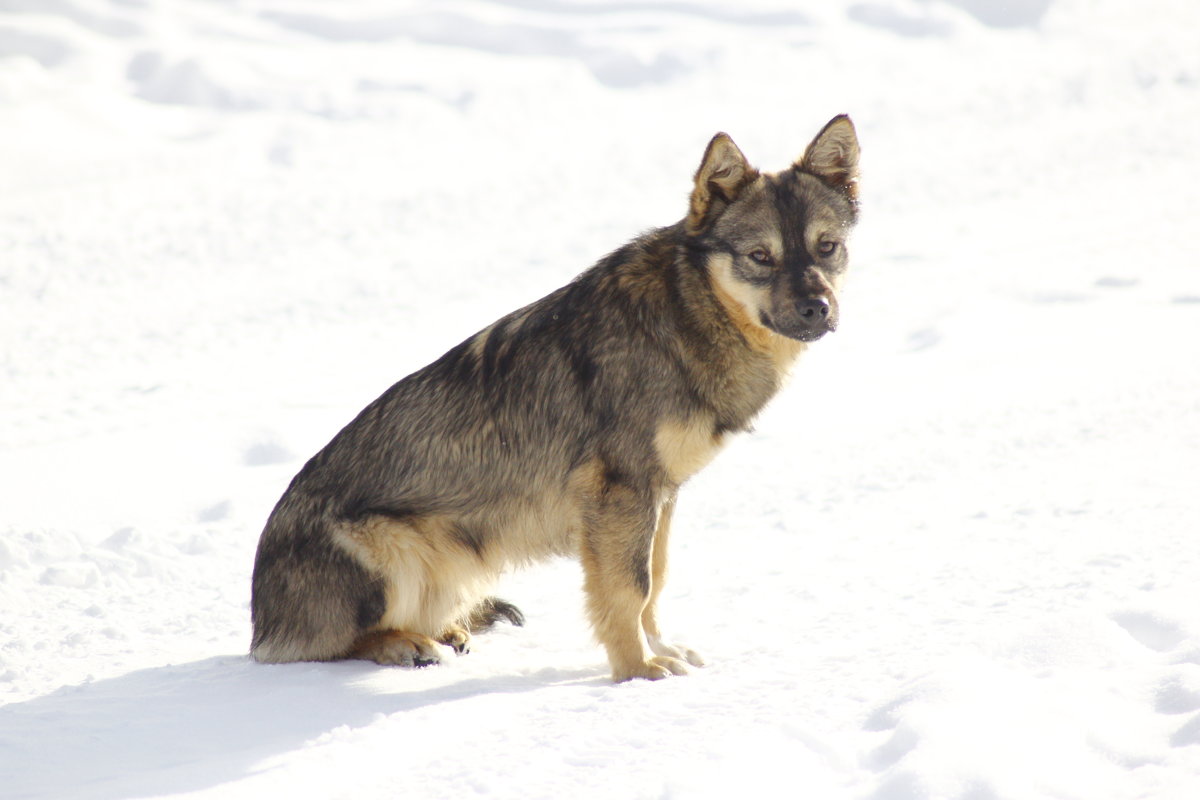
<point x="833" y="156"/>
<point x="723" y="174"/>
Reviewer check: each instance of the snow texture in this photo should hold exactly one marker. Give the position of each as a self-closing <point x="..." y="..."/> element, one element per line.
<point x="959" y="557"/>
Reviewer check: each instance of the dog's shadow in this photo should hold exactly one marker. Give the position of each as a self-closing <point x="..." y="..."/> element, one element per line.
<point x="188" y="727"/>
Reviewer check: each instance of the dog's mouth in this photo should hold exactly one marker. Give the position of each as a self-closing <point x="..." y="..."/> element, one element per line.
<point x="807" y="335"/>
<point x="811" y="336"/>
<point x="799" y="328"/>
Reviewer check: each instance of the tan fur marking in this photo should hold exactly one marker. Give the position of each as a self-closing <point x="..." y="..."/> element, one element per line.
<point x="618" y="523"/>
<point x="432" y="580"/>
<point x="396" y="648"/>
<point x="685" y="448"/>
<point x="782" y="351"/>
<point x="658" y="569"/>
<point x="658" y="579"/>
<point x="457" y="637"/>
<point x="479" y="341"/>
<point x="721" y="176"/>
<point x="586" y="482"/>
<point x="616" y="617"/>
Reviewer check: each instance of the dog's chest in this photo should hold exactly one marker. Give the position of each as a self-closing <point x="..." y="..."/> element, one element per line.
<point x="685" y="447"/>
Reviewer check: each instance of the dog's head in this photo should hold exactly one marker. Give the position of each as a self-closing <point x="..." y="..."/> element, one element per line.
<point x="775" y="244"/>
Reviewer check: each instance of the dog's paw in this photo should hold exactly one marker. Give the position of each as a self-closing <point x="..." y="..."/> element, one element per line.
<point x="458" y="638"/>
<point x="398" y="649"/>
<point x="675" y="651"/>
<point x="652" y="669"/>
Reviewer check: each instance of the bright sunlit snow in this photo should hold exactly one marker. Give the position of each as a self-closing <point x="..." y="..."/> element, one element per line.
<point x="959" y="557"/>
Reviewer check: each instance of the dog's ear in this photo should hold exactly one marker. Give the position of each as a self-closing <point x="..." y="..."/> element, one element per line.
<point x="833" y="156"/>
<point x="723" y="174"/>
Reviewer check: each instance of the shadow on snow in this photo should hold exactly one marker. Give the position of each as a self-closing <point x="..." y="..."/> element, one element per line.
<point x="188" y="727"/>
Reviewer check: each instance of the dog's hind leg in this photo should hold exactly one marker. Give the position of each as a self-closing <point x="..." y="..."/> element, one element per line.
<point x="310" y="600"/>
<point x="616" y="554"/>
<point x="482" y="617"/>
<point x="490" y="611"/>
<point x="457" y="637"/>
<point x="396" y="648"/>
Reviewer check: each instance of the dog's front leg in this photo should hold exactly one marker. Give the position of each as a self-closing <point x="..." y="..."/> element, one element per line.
<point x="618" y="540"/>
<point x="658" y="578"/>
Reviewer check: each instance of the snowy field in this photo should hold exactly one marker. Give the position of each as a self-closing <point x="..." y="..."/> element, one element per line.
<point x="959" y="557"/>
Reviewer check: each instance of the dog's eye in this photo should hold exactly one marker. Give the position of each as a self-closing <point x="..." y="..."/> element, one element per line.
<point x="827" y="248"/>
<point x="761" y="257"/>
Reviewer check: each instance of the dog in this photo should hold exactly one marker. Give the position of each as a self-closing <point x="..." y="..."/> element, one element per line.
<point x="564" y="428"/>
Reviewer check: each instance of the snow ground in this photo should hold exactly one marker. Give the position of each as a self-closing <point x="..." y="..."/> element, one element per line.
<point x="957" y="559"/>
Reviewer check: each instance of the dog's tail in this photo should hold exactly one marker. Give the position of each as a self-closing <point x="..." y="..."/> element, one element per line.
<point x="492" y="610"/>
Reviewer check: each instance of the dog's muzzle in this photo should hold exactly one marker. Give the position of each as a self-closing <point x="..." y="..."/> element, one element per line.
<point x="807" y="320"/>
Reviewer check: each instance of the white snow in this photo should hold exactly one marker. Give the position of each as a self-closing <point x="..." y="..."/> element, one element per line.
<point x="959" y="558"/>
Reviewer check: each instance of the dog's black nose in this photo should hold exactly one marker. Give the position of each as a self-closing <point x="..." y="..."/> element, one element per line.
<point x="813" y="309"/>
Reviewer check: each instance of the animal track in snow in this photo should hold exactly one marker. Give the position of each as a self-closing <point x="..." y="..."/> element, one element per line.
<point x="1113" y="282"/>
<point x="47" y="51"/>
<point x="266" y="452"/>
<point x="902" y="742"/>
<point x="1152" y="631"/>
<point x="1188" y="734"/>
<point x="923" y="339"/>
<point x="214" y="513"/>
<point x="1179" y="692"/>
<point x="1178" y="695"/>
